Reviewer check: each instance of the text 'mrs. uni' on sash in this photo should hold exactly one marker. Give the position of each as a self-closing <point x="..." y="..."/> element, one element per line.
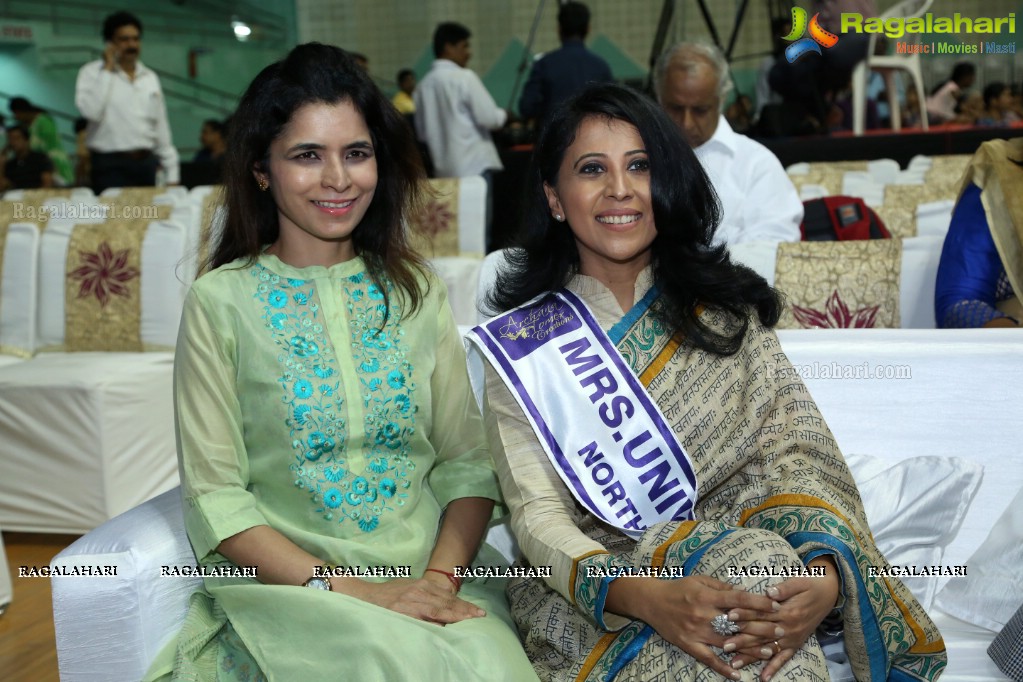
<point x="601" y="430"/>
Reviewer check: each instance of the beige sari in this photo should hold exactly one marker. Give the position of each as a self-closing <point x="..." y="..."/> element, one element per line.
<point x="774" y="491"/>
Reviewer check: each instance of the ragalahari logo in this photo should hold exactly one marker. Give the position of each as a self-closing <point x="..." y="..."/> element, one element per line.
<point x="818" y="36"/>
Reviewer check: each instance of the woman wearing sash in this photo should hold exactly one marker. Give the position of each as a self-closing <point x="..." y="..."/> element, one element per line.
<point x="980" y="273"/>
<point x="644" y="419"/>
<point x="327" y="432"/>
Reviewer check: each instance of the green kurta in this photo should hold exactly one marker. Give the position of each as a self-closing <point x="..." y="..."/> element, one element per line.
<point x="43" y="137"/>
<point x="293" y="411"/>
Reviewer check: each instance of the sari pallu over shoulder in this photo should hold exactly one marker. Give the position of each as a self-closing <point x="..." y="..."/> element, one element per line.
<point x="810" y="500"/>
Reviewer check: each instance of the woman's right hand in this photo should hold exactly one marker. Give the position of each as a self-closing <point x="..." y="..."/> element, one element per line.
<point x="681" y="611"/>
<point x="423" y="599"/>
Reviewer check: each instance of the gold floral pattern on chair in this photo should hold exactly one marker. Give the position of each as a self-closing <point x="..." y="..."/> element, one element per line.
<point x="434" y="231"/>
<point x="839" y="284"/>
<point x="103" y="273"/>
<point x="836" y="315"/>
<point x="103" y="287"/>
<point x="436" y="218"/>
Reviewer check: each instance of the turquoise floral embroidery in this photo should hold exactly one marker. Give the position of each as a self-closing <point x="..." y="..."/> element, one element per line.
<point x="386" y="376"/>
<point x="311" y="389"/>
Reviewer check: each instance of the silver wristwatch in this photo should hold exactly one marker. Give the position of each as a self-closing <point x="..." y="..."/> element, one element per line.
<point x="318" y="582"/>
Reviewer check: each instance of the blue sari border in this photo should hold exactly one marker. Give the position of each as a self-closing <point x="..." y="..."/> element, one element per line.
<point x="622" y="327"/>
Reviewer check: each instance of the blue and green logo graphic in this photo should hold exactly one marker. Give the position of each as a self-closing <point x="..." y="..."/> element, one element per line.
<point x="819" y="37"/>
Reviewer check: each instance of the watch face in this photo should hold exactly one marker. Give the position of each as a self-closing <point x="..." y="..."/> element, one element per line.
<point x="318" y="584"/>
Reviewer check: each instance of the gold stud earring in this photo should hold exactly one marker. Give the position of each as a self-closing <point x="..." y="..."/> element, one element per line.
<point x="263" y="185"/>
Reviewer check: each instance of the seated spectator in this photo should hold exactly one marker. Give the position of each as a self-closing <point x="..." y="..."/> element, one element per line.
<point x="997" y="106"/>
<point x="43" y="137"/>
<point x="324" y="415"/>
<point x="758" y="199"/>
<point x="26" y="168"/>
<point x="213" y="138"/>
<point x="978" y="282"/>
<point x="970" y="109"/>
<point x="403" y="101"/>
<point x="911" y="116"/>
<point x="944" y="103"/>
<point x="661" y="351"/>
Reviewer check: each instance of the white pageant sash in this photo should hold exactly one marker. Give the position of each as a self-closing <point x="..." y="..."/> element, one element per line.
<point x="604" y="435"/>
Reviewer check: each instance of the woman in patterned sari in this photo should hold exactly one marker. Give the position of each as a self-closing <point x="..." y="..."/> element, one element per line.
<point x="622" y="217"/>
<point x="327" y="433"/>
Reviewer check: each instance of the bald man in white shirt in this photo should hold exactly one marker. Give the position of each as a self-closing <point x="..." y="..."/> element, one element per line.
<point x="128" y="135"/>
<point x="758" y="201"/>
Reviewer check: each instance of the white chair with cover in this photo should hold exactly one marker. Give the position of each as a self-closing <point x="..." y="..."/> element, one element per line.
<point x="917" y="264"/>
<point x="19" y="260"/>
<point x="451" y="232"/>
<point x="86" y="425"/>
<point x="888" y="64"/>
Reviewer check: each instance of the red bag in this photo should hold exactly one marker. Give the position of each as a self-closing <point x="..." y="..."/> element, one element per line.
<point x="840" y="218"/>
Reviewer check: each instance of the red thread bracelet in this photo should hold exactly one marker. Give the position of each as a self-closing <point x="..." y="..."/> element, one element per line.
<point x="455" y="580"/>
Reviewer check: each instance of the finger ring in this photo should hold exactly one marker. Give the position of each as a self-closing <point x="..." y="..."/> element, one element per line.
<point x="723" y="626"/>
<point x="777" y="647"/>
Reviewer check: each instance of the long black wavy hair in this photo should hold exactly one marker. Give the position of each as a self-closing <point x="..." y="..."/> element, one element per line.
<point x="315" y="73"/>
<point x="687" y="269"/>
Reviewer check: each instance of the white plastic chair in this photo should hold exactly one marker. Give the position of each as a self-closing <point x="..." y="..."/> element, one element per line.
<point x="887" y="64"/>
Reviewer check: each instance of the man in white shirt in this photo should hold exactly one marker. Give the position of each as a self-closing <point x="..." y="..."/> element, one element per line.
<point x="454" y="111"/>
<point x="758" y="201"/>
<point x="128" y="135"/>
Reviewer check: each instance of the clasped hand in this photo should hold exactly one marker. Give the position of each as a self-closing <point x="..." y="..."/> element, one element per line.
<point x="803" y="603"/>
<point x="681" y="611"/>
<point x="425" y="598"/>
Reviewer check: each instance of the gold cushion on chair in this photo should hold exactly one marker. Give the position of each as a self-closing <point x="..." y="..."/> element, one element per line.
<point x="839" y="284"/>
<point x="24" y="211"/>
<point x="828" y="177"/>
<point x="899" y="219"/>
<point x="131" y="204"/>
<point x="102" y="303"/>
<point x="946" y="172"/>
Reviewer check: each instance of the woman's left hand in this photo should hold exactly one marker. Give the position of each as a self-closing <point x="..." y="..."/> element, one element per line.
<point x="805" y="602"/>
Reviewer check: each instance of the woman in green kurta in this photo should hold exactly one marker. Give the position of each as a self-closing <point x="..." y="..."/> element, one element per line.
<point x="324" y="414"/>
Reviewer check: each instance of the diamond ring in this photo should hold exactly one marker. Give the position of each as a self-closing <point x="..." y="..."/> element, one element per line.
<point x="723" y="626"/>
